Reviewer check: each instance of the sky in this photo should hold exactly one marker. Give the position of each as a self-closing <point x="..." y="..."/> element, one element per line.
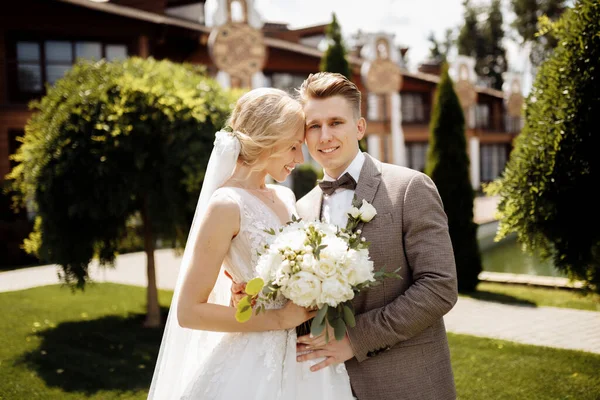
<point x="410" y="20"/>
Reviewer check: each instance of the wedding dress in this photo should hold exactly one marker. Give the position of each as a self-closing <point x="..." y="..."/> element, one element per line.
<point x="261" y="365"/>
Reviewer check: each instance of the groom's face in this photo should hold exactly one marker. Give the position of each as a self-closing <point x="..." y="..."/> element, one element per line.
<point x="332" y="133"/>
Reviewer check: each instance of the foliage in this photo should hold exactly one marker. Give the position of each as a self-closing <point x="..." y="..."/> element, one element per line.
<point x="334" y="58"/>
<point x="494" y="61"/>
<point x="484" y="42"/>
<point x="548" y="188"/>
<point x="527" y="24"/>
<point x="448" y="166"/>
<point x="305" y="179"/>
<point x="111" y="141"/>
<point x="439" y="50"/>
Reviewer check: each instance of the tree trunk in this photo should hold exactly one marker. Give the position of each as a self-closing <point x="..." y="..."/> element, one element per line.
<point x="153" y="319"/>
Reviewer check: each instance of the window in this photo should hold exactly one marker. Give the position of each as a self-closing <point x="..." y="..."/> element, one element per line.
<point x="493" y="160"/>
<point x="416" y="154"/>
<point x="29" y="67"/>
<point x="513" y="124"/>
<point x="482" y="116"/>
<point x="41" y="62"/>
<point x="412" y="107"/>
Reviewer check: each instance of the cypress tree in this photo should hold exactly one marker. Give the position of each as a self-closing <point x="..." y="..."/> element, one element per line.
<point x="334" y="58"/>
<point x="448" y="166"/>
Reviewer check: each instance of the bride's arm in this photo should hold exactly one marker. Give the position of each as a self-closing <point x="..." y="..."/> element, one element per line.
<point x="219" y="227"/>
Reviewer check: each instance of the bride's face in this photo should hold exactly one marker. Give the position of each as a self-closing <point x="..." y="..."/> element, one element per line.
<point x="285" y="157"/>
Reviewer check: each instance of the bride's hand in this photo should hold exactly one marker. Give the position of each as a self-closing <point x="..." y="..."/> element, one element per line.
<point x="292" y="315"/>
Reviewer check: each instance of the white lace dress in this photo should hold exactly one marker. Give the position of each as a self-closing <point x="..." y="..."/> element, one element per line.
<point x="261" y="365"/>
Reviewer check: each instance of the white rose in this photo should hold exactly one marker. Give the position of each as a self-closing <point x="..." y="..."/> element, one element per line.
<point x="308" y="262"/>
<point x="359" y="268"/>
<point x="367" y="211"/>
<point x="354" y="212"/>
<point x="268" y="264"/>
<point x="325" y="267"/>
<point x="282" y="275"/>
<point x="334" y="291"/>
<point x="303" y="288"/>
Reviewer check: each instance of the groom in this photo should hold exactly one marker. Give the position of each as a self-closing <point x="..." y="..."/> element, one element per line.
<point x="398" y="349"/>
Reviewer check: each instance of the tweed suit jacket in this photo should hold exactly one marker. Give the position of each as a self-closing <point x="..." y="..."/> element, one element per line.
<point x="399" y="342"/>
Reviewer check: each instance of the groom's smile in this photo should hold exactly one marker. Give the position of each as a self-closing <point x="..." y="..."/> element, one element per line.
<point x="329" y="150"/>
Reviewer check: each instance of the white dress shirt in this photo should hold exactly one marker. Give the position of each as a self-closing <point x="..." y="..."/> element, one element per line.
<point x="336" y="206"/>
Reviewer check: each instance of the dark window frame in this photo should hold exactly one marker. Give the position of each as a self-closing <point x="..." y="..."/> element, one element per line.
<point x="15" y="93"/>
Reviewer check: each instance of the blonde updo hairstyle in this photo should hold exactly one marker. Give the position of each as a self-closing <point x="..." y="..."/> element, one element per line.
<point x="262" y="119"/>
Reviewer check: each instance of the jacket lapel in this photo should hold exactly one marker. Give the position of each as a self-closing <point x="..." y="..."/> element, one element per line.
<point x="368" y="181"/>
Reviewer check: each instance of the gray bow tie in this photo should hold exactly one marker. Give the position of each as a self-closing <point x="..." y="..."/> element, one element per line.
<point x="345" y="181"/>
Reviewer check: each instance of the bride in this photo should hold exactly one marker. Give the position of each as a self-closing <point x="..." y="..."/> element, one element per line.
<point x="205" y="353"/>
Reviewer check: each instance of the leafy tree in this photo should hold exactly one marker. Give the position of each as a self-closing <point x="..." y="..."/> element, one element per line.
<point x="112" y="142"/>
<point x="528" y="13"/>
<point x="334" y="58"/>
<point x="494" y="62"/>
<point x="448" y="166"/>
<point x="483" y="42"/>
<point x="439" y="50"/>
<point x="470" y="41"/>
<point x="547" y="191"/>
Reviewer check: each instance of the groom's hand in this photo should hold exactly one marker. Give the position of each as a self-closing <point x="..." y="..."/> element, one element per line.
<point x="238" y="291"/>
<point x="335" y="352"/>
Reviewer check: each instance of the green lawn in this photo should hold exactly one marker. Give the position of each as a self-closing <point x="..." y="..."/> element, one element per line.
<point x="59" y="345"/>
<point x="535" y="296"/>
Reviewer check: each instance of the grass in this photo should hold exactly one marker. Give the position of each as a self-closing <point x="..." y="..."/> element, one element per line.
<point x="535" y="296"/>
<point x="91" y="345"/>
<point x="498" y="370"/>
<point x="59" y="345"/>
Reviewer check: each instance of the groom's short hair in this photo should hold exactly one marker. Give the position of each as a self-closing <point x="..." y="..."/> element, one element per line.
<point x="323" y="85"/>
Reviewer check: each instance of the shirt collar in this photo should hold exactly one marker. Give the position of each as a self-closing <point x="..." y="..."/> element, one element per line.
<point x="353" y="169"/>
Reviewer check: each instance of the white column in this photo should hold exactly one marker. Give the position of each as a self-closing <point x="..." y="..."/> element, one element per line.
<point x="224" y="79"/>
<point x="474" y="162"/>
<point x="398" y="145"/>
<point x="374" y="144"/>
<point x="372" y="107"/>
<point x="259" y="80"/>
<point x="470" y="117"/>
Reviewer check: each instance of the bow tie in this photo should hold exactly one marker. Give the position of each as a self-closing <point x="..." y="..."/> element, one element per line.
<point x="345" y="181"/>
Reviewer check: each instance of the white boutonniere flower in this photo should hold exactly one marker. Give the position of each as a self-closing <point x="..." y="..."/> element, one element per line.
<point x="367" y="211"/>
<point x="354" y="212"/>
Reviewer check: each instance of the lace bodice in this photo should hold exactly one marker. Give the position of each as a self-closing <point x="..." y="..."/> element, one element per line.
<point x="255" y="218"/>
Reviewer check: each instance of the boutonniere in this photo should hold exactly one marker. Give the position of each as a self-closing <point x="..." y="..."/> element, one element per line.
<point x="359" y="212"/>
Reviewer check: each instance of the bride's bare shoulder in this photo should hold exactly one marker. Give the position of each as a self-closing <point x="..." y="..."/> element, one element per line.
<point x="224" y="205"/>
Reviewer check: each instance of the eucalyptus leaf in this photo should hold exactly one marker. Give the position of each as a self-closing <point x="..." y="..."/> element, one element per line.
<point x="349" y="317"/>
<point x="339" y="327"/>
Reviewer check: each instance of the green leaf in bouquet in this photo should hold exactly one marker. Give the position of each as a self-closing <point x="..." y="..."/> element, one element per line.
<point x="339" y="327"/>
<point x="318" y="250"/>
<point x="320" y="317"/>
<point x="270" y="231"/>
<point x="255" y="286"/>
<point x="332" y="314"/>
<point x="349" y="316"/>
<point x="244" y="310"/>
<point x="317" y="327"/>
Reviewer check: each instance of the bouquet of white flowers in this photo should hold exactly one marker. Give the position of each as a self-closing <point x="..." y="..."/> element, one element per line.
<point x="315" y="265"/>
